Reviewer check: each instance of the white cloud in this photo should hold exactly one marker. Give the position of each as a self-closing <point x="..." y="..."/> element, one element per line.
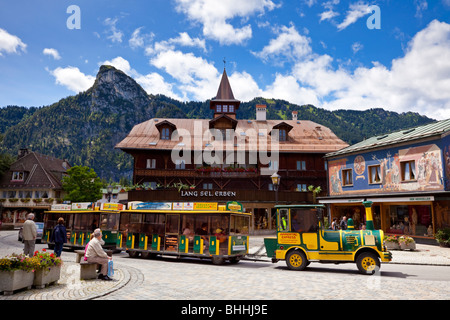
<point x="357" y="46"/>
<point x="184" y="67"/>
<point x="357" y="10"/>
<point x="121" y="64"/>
<point x="418" y="81"/>
<point x="72" y="78"/>
<point x="183" y="39"/>
<point x="10" y="43"/>
<point x="52" y="52"/>
<point x="421" y="6"/>
<point x="214" y="14"/>
<point x="288" y="45"/>
<point x="138" y="40"/>
<point x="328" y="15"/>
<point x="154" y="83"/>
<point x="115" y="34"/>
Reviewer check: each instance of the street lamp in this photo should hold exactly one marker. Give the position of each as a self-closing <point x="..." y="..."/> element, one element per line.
<point x="276" y="178"/>
<point x="109" y="190"/>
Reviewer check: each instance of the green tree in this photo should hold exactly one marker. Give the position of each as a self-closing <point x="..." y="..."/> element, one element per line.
<point x="82" y="185"/>
<point x="6" y="160"/>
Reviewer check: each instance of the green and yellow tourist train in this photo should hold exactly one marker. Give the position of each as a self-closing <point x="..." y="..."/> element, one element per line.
<point x="189" y="229"/>
<point x="302" y="238"/>
<point x="80" y="220"/>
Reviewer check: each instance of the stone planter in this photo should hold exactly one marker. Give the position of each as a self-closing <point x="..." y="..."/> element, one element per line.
<point x="43" y="277"/>
<point x="408" y="246"/>
<point x="392" y="245"/>
<point x="11" y="281"/>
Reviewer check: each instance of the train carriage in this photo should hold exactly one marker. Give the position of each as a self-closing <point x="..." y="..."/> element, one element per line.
<point x="201" y="230"/>
<point x="80" y="220"/>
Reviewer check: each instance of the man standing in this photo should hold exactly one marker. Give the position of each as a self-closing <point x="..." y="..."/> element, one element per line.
<point x="343" y="224"/>
<point x="29" y="233"/>
<point x="96" y="254"/>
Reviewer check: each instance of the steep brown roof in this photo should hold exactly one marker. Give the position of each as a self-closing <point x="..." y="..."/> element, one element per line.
<point x="305" y="135"/>
<point x="224" y="93"/>
<point x="40" y="171"/>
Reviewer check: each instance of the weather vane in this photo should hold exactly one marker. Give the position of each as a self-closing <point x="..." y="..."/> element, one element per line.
<point x="224" y="62"/>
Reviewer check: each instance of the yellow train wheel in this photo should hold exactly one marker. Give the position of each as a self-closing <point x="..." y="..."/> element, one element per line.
<point x="368" y="263"/>
<point x="296" y="260"/>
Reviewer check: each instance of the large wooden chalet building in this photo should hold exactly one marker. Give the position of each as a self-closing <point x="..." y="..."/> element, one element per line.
<point x="244" y="173"/>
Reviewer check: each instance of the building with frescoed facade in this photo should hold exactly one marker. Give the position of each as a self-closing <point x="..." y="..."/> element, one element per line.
<point x="301" y="144"/>
<point x="406" y="174"/>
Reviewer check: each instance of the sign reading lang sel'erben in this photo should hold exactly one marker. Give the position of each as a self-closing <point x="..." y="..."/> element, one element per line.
<point x="208" y="193"/>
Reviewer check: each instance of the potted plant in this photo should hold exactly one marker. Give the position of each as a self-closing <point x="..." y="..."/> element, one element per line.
<point x="25" y="200"/>
<point x="37" y="200"/>
<point x="407" y="243"/>
<point x="443" y="237"/>
<point x="16" y="272"/>
<point x="49" y="200"/>
<point x="48" y="268"/>
<point x="391" y="242"/>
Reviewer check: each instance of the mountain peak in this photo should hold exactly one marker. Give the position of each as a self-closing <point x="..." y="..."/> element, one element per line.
<point x="112" y="83"/>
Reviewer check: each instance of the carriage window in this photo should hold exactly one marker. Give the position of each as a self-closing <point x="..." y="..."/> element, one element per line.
<point x="284" y="220"/>
<point x="219" y="222"/>
<point x="304" y="220"/>
<point x="153" y="224"/>
<point x="110" y="221"/>
<point x="239" y="224"/>
<point x="172" y="223"/>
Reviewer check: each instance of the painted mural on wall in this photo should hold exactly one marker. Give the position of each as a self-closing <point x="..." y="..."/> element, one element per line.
<point x="447" y="167"/>
<point x="391" y="170"/>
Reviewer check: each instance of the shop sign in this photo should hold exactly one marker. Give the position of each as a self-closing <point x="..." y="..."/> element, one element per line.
<point x="61" y="207"/>
<point x="153" y="206"/>
<point x="288" y="238"/>
<point x="207" y="193"/>
<point x="205" y="205"/>
<point x="83" y="206"/>
<point x="111" y="206"/>
<point x="234" y="206"/>
<point x="183" y="206"/>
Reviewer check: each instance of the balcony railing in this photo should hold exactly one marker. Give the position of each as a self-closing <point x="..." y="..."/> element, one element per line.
<point x="190" y="173"/>
<point x="34" y="202"/>
<point x="196" y="173"/>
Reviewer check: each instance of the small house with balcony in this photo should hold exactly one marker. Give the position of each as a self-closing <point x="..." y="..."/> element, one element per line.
<point x="32" y="184"/>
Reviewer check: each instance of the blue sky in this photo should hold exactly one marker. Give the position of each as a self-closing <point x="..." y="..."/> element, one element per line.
<point x="303" y="51"/>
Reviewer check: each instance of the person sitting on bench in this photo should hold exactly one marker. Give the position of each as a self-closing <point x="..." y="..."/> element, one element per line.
<point x="96" y="254"/>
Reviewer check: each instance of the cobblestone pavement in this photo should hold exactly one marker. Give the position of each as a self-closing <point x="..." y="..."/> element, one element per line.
<point x="190" y="279"/>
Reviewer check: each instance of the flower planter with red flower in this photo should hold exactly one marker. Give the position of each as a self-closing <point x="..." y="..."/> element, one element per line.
<point x="391" y="242"/>
<point x="48" y="268"/>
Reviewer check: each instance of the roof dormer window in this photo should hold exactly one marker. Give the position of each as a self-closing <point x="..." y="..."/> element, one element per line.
<point x="165" y="128"/>
<point x="17" y="176"/>
<point x="165" y="134"/>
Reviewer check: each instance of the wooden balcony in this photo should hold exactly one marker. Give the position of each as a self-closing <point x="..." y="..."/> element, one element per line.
<point x="201" y="195"/>
<point x="190" y="173"/>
